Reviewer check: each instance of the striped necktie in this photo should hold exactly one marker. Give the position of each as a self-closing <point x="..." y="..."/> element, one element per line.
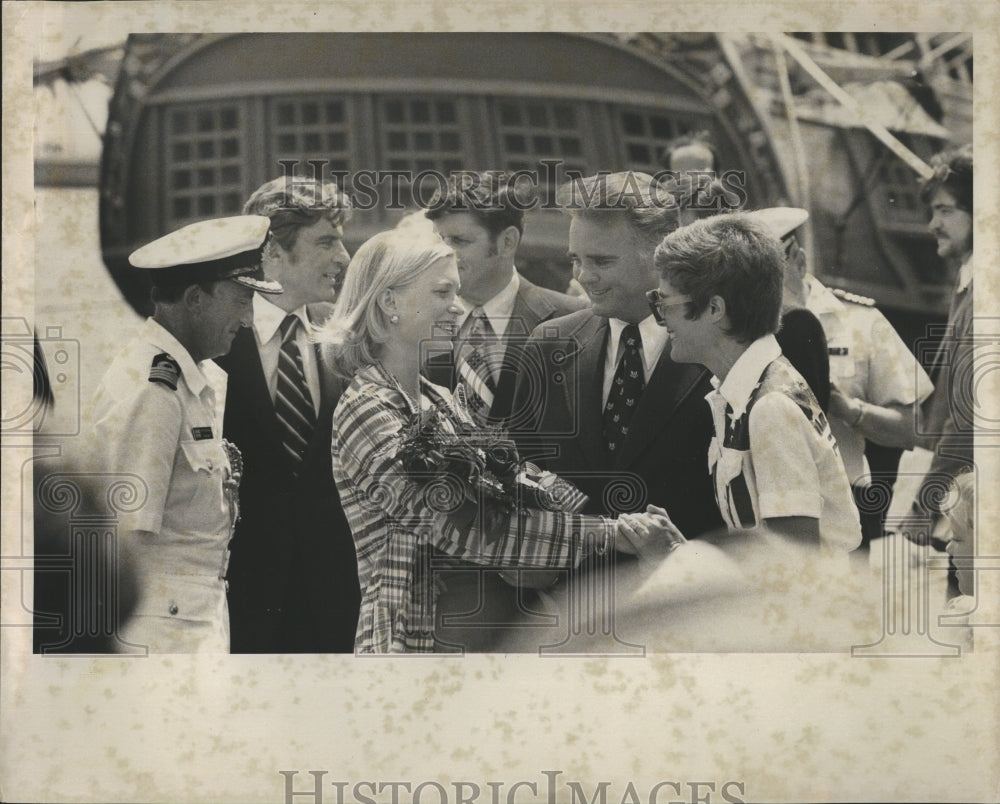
<point x="292" y="402"/>
<point x="473" y="366"/>
<point x="626" y="388"/>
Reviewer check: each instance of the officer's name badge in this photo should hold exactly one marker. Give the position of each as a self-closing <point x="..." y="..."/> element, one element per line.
<point x="838" y="351"/>
<point x="201" y="433"/>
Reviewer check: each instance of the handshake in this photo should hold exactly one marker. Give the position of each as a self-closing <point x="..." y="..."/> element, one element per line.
<point x="649" y="535"/>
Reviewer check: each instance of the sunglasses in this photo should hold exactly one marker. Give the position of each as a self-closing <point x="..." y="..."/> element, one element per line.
<point x="658" y="303"/>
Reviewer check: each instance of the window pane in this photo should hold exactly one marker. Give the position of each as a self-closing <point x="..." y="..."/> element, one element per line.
<point x="420" y="112"/>
<point x="445" y="112"/>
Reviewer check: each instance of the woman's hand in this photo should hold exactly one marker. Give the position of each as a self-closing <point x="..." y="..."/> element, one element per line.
<point x="650" y="534"/>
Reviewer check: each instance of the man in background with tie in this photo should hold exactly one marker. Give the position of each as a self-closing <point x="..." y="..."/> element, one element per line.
<point x="293" y="584"/>
<point x="482" y="219"/>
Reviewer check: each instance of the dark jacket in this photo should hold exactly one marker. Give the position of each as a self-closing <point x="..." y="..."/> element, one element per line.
<point x="293" y="579"/>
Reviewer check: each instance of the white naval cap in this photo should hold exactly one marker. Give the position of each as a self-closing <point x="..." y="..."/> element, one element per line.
<point x="780" y="221"/>
<point x="209" y="251"/>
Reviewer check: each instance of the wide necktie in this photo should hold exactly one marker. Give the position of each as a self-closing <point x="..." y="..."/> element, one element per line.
<point x="475" y="368"/>
<point x="292" y="402"/>
<point x="626" y="388"/>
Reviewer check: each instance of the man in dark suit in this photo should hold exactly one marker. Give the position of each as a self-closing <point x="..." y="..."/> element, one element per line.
<point x="610" y="411"/>
<point x="482" y="218"/>
<point x="293" y="583"/>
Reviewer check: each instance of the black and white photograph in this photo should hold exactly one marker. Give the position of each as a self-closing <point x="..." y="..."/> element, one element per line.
<point x="620" y="376"/>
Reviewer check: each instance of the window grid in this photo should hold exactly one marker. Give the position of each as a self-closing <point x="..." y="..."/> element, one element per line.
<point x="421" y="133"/>
<point x="645" y="133"/>
<point x="532" y="130"/>
<point x="205" y="154"/>
<point x="307" y="128"/>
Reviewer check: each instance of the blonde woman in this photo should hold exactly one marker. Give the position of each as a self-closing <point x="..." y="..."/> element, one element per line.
<point x="397" y="303"/>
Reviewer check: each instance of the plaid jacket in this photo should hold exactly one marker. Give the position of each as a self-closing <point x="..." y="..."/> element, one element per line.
<point x="396" y="527"/>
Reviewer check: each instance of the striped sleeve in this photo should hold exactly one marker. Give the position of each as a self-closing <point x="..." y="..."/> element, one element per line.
<point x="369" y="433"/>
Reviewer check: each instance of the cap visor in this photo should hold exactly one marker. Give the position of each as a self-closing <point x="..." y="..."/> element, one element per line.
<point x="260" y="285"/>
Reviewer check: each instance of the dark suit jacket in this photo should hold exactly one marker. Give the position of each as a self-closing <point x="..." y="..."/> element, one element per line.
<point x="664" y="460"/>
<point x="481" y="593"/>
<point x="293" y="577"/>
<point x="532" y="306"/>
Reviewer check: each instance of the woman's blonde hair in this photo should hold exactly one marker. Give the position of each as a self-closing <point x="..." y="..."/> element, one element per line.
<point x="359" y="326"/>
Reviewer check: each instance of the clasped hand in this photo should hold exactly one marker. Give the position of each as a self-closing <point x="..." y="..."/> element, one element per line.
<point x="648" y="534"/>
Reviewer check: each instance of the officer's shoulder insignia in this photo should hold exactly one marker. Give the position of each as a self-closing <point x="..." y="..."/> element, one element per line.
<point x="853" y="298"/>
<point x="165" y="370"/>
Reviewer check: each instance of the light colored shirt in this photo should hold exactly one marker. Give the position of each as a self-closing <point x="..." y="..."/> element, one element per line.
<point x="267" y="319"/>
<point x="964" y="274"/>
<point x="868" y="361"/>
<point x="178" y="539"/>
<point x="654" y="340"/>
<point x="498" y="309"/>
<point x="773" y="454"/>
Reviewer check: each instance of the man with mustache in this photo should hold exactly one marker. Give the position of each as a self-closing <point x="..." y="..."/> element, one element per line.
<point x="293" y="585"/>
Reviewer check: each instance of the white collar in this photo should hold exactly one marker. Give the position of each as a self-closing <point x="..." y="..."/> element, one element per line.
<point x="745" y="374"/>
<point x="194" y="373"/>
<point x="964" y="274"/>
<point x="819" y="298"/>
<point x="499" y="308"/>
<point x="267" y="318"/>
<point x="654" y="339"/>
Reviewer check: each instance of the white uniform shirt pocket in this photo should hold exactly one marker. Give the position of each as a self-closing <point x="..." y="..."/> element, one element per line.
<point x="203" y="469"/>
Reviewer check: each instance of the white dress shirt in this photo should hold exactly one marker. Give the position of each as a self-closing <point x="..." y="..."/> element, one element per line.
<point x="267" y="320"/>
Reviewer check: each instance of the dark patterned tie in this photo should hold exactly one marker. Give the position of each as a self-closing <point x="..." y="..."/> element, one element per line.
<point x="474" y="365"/>
<point x="626" y="388"/>
<point x="292" y="402"/>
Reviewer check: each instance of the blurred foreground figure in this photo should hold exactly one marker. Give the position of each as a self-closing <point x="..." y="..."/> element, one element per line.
<point x="736" y="591"/>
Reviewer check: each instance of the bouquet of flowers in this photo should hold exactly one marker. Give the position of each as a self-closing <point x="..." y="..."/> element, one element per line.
<point x="476" y="471"/>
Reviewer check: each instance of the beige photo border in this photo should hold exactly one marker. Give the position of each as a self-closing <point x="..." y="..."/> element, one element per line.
<point x="788" y="727"/>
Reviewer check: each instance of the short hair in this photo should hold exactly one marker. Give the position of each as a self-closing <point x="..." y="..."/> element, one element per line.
<point x="648" y="206"/>
<point x="292" y="202"/>
<point x="358" y="326"/>
<point x="492" y="197"/>
<point x="732" y="256"/>
<point x="953" y="173"/>
<point x="702" y="138"/>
